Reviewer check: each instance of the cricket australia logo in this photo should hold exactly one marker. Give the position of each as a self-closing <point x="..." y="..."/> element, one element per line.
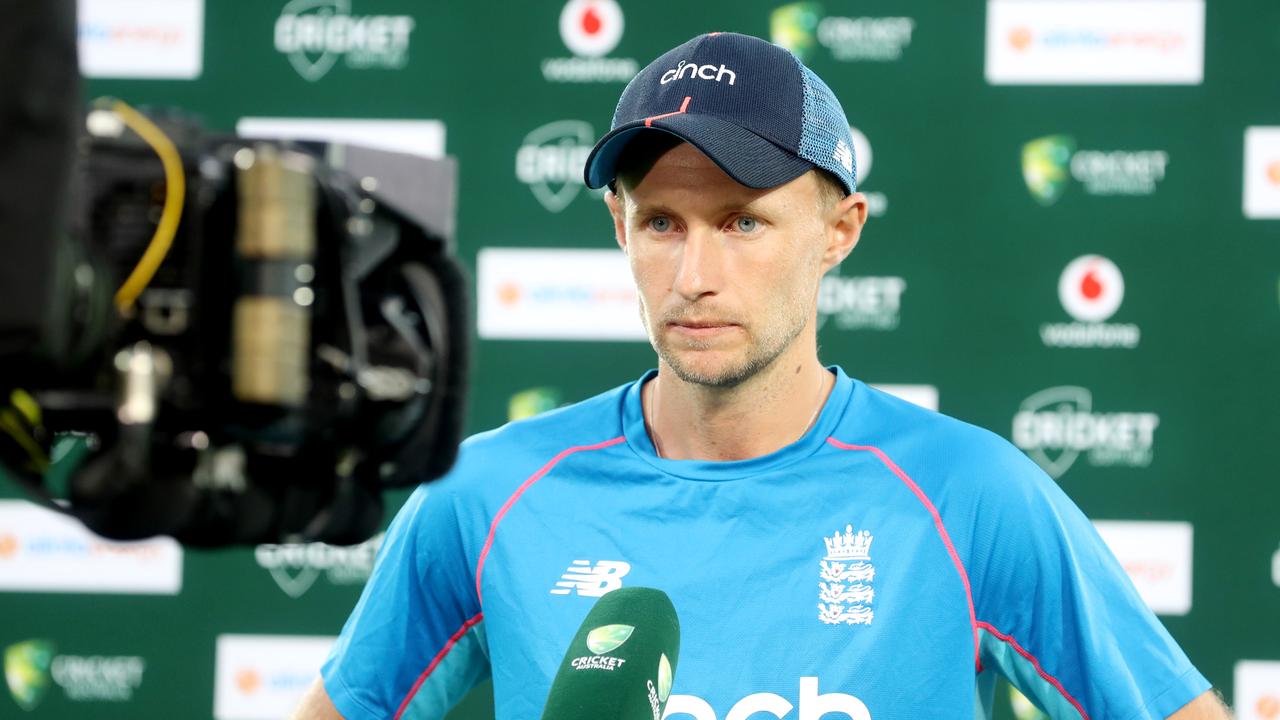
<point x="590" y="580"/>
<point x="845" y="590"/>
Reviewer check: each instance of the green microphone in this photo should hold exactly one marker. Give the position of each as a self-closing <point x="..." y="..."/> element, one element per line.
<point x="621" y="662"/>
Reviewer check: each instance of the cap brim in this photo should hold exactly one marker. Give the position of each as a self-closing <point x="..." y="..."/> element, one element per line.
<point x="745" y="156"/>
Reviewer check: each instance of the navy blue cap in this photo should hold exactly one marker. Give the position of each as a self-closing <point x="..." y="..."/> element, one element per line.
<point x="749" y="105"/>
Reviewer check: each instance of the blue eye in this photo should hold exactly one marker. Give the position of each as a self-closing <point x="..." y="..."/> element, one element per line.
<point x="660" y="224"/>
<point x="746" y="224"/>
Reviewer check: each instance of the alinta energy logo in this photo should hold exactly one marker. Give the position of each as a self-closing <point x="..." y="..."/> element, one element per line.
<point x="1051" y="163"/>
<point x="1022" y="38"/>
<point x="252" y="682"/>
<point x="1057" y="425"/>
<point x="30" y="665"/>
<point x="1091" y="289"/>
<point x="315" y="34"/>
<point x="295" y="567"/>
<point x="8" y="546"/>
<point x="804" y="26"/>
<point x="590" y="29"/>
<point x="551" y="160"/>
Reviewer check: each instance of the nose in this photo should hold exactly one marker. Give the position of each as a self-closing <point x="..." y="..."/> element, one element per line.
<point x="700" y="264"/>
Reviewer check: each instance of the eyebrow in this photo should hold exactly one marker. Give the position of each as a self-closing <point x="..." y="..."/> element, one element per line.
<point x="660" y="208"/>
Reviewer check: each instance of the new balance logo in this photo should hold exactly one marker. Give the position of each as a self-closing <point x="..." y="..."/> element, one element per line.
<point x="592" y="580"/>
<point x="843" y="155"/>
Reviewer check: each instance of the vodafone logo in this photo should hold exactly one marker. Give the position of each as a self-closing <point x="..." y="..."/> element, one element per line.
<point x="1091" y="288"/>
<point x="591" y="28"/>
<point x="861" y="154"/>
<point x="877" y="202"/>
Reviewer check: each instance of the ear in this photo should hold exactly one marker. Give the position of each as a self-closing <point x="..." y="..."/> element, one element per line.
<point x="619" y="218"/>
<point x="844" y="226"/>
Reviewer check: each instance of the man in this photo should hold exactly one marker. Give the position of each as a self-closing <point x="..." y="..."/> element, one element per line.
<point x="829" y="548"/>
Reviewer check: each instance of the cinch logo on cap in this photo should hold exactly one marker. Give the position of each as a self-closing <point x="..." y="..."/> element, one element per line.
<point x="697" y="72"/>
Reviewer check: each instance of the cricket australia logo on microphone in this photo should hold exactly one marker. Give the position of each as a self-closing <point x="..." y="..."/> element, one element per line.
<point x="600" y="642"/>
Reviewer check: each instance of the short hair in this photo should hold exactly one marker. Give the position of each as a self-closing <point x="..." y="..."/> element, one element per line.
<point x="644" y="150"/>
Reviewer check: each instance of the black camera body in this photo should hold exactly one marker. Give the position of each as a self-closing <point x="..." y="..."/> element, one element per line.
<point x="243" y="341"/>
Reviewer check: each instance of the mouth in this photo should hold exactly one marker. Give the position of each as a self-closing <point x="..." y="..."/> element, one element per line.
<point x="701" y="328"/>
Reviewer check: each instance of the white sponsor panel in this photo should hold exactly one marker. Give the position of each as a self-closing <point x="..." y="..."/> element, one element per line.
<point x="424" y="138"/>
<point x="45" y="551"/>
<point x="926" y="396"/>
<point x="1257" y="690"/>
<point x="1157" y="556"/>
<point x="1095" y="42"/>
<point x="556" y="294"/>
<point x="262" y="677"/>
<point x="1262" y="172"/>
<point x="141" y="38"/>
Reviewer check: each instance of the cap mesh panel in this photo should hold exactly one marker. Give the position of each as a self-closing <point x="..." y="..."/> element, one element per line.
<point x="823" y="127"/>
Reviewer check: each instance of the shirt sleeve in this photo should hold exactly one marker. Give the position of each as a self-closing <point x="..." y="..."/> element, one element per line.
<point x="1056" y="614"/>
<point x="414" y="644"/>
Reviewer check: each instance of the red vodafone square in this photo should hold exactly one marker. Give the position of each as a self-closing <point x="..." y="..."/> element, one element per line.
<point x="591" y="28"/>
<point x="1091" y="288"/>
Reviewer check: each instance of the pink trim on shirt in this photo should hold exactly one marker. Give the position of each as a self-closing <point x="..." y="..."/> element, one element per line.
<point x="1036" y="664"/>
<point x="404" y="704"/>
<point x="493" y="528"/>
<point x="937" y="521"/>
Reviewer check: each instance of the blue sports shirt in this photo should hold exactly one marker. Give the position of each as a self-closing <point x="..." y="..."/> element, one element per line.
<point x="885" y="566"/>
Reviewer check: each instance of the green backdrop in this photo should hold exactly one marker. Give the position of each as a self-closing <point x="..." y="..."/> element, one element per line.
<point x="980" y="248"/>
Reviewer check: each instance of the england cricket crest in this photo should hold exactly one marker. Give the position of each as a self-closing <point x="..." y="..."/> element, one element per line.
<point x="845" y="590"/>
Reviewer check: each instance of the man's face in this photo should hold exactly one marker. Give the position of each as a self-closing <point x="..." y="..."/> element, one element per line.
<point x="727" y="275"/>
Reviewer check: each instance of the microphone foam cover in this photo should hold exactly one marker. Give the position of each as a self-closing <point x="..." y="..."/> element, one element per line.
<point x="622" y="662"/>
